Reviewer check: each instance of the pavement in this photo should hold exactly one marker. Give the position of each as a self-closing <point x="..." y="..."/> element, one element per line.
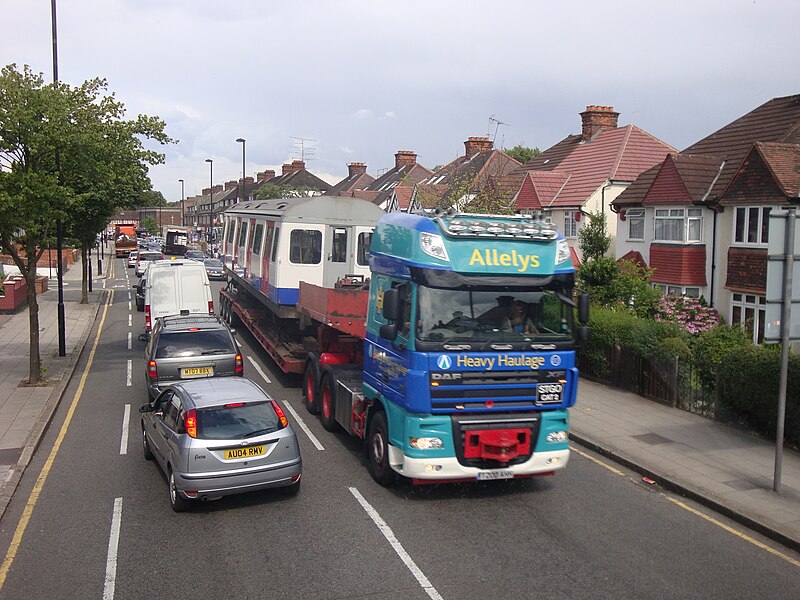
<point x="725" y="469"/>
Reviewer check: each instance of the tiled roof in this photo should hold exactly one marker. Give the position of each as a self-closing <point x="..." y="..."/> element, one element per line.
<point x="776" y="121"/>
<point x="540" y="188"/>
<point x="783" y="161"/>
<point x="682" y="179"/>
<point x="427" y="195"/>
<point x="385" y="184"/>
<point x="404" y="194"/>
<point x="357" y="181"/>
<point x="622" y="154"/>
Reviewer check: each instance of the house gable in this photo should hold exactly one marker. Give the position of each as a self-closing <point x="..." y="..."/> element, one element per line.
<point x="770" y="174"/>
<point x="667" y="187"/>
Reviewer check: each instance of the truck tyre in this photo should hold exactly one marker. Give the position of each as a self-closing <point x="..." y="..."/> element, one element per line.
<point x="327" y="403"/>
<point x="378" y="450"/>
<point x="310" y="387"/>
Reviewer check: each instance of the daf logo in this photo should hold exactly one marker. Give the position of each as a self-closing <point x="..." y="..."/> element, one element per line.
<point x="444" y="362"/>
<point x="555" y="360"/>
<point x="446" y="376"/>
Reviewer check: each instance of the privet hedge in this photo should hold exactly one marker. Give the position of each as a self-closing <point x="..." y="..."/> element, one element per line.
<point x="723" y="363"/>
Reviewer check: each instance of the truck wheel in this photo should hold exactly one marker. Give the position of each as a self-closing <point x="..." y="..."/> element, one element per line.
<point x="327" y="403"/>
<point x="378" y="450"/>
<point x="310" y="388"/>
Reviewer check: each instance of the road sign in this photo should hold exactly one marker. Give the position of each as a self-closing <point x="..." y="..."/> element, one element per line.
<point x="775" y="278"/>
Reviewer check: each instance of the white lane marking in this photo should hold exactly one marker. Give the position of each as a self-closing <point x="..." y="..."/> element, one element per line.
<point x="129" y="316"/>
<point x="129" y="295"/>
<point x="390" y="537"/>
<point x="303" y="426"/>
<point x="126" y="419"/>
<point x="258" y="368"/>
<point x="129" y="304"/>
<point x="113" y="546"/>
<point x="130" y="371"/>
<point x="129" y="340"/>
<point x="104" y="283"/>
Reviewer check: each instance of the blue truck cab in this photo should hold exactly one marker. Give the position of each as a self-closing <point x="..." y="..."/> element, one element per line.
<point x="469" y="353"/>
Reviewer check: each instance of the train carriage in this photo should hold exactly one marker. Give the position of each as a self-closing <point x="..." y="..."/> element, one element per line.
<point x="273" y="245"/>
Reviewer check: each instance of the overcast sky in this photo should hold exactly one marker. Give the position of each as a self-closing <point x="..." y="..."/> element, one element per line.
<point x="363" y="79"/>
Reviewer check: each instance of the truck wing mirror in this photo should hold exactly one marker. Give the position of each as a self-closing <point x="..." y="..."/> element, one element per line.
<point x="388" y="331"/>
<point x="391" y="305"/>
<point x="584" y="334"/>
<point x="583" y="308"/>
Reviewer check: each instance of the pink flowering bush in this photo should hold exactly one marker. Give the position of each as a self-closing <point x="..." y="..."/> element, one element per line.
<point x="691" y="314"/>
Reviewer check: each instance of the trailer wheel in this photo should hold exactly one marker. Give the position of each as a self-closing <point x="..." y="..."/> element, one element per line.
<point x="310" y="387"/>
<point x="327" y="403"/>
<point x="378" y="450"/>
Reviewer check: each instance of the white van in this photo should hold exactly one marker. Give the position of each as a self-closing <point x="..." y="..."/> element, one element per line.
<point x="176" y="287"/>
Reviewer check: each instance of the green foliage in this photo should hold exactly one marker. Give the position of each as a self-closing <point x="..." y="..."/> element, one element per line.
<point x="151" y="225"/>
<point x="593" y="238"/>
<point x="522" y="153"/>
<point x="749" y="378"/>
<point x="612" y="328"/>
<point x="713" y="347"/>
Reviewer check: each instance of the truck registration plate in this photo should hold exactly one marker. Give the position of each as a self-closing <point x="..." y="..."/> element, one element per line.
<point x="549" y="393"/>
<point x="496" y="474"/>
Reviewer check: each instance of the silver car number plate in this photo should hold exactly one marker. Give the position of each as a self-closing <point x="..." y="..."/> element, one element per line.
<point x="495" y="474"/>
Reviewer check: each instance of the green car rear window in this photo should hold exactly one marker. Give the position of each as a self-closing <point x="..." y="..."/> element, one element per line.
<point x="183" y="344"/>
<point x="237" y="422"/>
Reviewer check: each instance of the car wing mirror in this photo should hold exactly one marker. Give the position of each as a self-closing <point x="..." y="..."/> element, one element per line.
<point x="144" y="337"/>
<point x="146" y="408"/>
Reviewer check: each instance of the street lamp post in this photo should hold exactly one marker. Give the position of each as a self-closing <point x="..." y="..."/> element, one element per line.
<point x="62" y="320"/>
<point x="211" y="194"/>
<point x="183" y="217"/>
<point x="242" y="141"/>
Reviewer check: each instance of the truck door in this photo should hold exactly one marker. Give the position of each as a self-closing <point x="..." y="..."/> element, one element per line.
<point x="339" y="254"/>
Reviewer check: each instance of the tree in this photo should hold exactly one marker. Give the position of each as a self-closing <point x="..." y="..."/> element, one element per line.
<point x="150" y="225"/>
<point x="593" y="238"/>
<point x="522" y="153"/>
<point x="65" y="153"/>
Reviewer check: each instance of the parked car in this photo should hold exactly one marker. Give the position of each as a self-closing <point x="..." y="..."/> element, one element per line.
<point x="195" y="255"/>
<point x="139" y="287"/>
<point x="189" y="347"/>
<point x="214" y="268"/>
<point x="176" y="287"/>
<point x="132" y="258"/>
<point x="144" y="257"/>
<point x="218" y="437"/>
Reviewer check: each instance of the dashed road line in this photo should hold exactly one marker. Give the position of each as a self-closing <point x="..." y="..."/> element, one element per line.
<point x="113" y="547"/>
<point x="258" y="368"/>
<point x="129" y="378"/>
<point x="303" y="426"/>
<point x="126" y="419"/>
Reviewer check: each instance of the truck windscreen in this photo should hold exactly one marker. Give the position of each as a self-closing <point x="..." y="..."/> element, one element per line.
<point x="445" y="315"/>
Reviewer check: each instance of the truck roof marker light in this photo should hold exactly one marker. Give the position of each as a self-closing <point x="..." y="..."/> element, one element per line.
<point x="562" y="252"/>
<point x="432" y="244"/>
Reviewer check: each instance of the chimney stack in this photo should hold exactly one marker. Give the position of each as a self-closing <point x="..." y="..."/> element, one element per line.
<point x="248" y="181"/>
<point x="265" y="175"/>
<point x="405" y="158"/>
<point x="596" y="119"/>
<point x="474" y="145"/>
<point x="217" y="188"/>
<point x="229" y="185"/>
<point x="356" y="168"/>
<point x="286" y="169"/>
<point x="298" y="165"/>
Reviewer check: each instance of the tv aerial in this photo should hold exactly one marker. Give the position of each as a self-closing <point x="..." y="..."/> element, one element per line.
<point x="497" y="123"/>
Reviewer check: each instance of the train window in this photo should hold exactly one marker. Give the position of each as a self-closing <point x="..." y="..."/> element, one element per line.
<point x="257" y="237"/>
<point x="305" y="247"/>
<point x="275" y="244"/>
<point x="231" y="229"/>
<point x="339" y="245"/>
<point x="362" y="256"/>
<point x="242" y="234"/>
<point x="268" y="243"/>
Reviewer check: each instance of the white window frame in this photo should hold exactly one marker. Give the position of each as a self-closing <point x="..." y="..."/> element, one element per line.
<point x="635" y="215"/>
<point x="755" y="303"/>
<point x="688" y="217"/>
<point x="761" y="229"/>
<point x="570" y="224"/>
<point x="689" y="291"/>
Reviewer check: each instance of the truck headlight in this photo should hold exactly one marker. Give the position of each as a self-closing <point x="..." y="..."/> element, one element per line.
<point x="432" y="244"/>
<point x="562" y="251"/>
<point x="426" y="443"/>
<point x="557" y="437"/>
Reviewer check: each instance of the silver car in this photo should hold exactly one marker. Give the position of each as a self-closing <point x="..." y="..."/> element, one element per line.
<point x="217" y="437"/>
<point x="185" y="347"/>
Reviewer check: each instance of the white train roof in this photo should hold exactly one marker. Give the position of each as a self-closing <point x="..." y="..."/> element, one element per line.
<point x="316" y="209"/>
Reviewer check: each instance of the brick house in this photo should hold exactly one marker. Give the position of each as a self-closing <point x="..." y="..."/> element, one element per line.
<point x="700" y="218"/>
<point x="383" y="191"/>
<point x="585" y="172"/>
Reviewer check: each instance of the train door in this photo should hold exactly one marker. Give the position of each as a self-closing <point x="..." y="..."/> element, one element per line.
<point x="339" y="254"/>
<point x="250" y="246"/>
<point x="265" y="255"/>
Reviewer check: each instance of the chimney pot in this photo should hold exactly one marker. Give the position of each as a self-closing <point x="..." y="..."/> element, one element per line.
<point x="474" y="145"/>
<point x="405" y="158"/>
<point x="596" y="119"/>
<point x="356" y="168"/>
